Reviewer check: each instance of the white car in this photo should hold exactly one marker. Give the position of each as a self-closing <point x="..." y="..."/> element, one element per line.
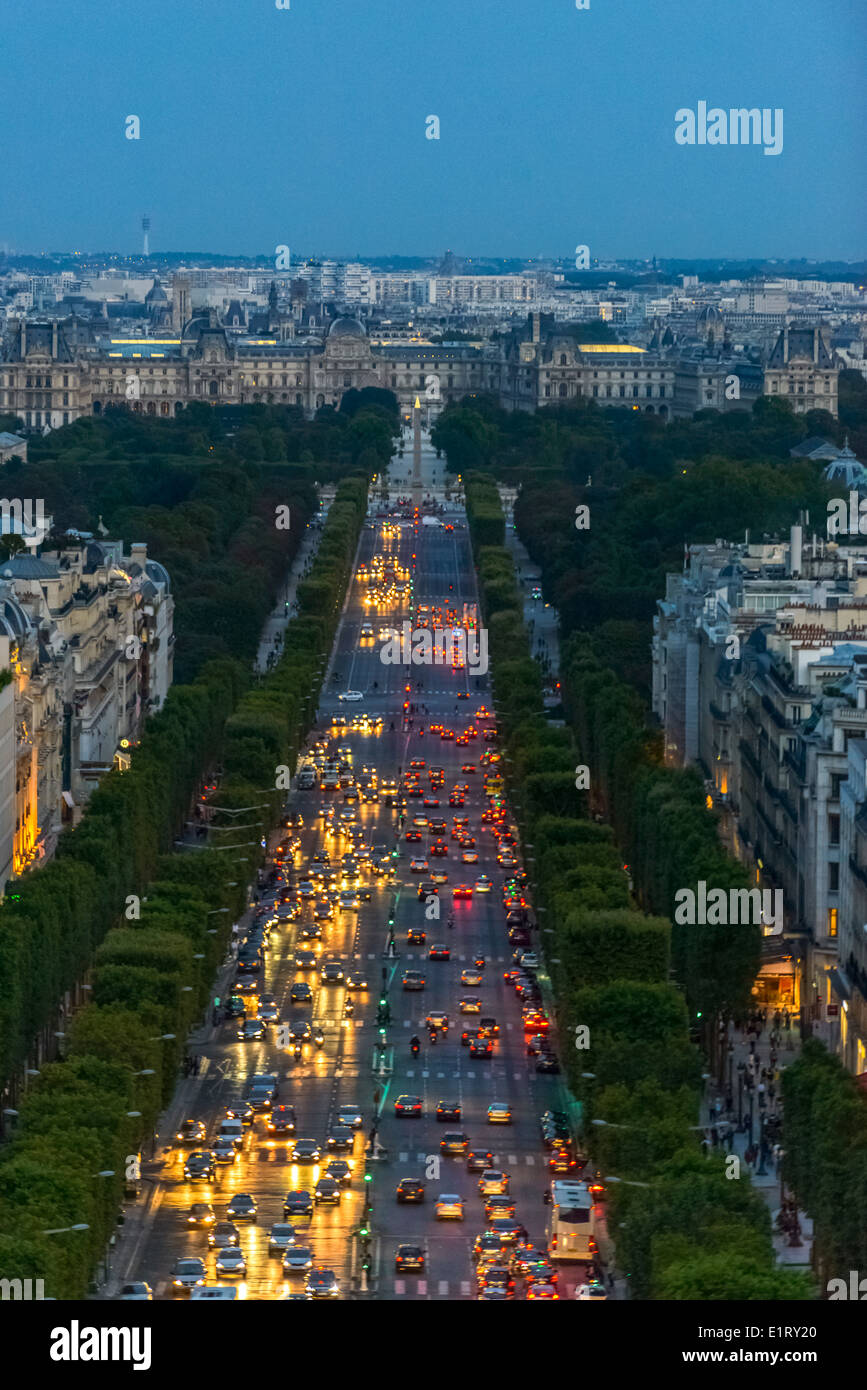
<point x="591" y="1293"/>
<point x="483" y="884"/>
<point x="449" y="1207"/>
<point x="350" y="696"/>
<point x="139" y="1292"/>
<point x="230" y="1261"/>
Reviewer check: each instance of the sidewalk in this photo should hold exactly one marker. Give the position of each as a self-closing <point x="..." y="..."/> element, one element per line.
<point x="744" y="1122"/>
<point x="286" y="608"/>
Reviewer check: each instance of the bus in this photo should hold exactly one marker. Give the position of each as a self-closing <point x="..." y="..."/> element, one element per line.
<point x="571" y="1222"/>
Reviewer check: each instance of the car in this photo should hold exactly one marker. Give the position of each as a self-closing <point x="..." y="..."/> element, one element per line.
<point x="331" y="972"/>
<point x="418" y="866"/>
<point x="437" y="1018"/>
<point x="462" y="890"/>
<point x="499" y="1113"/>
<point x="323" y="911"/>
<point x="281" y="1120"/>
<point x="470" y="1004"/>
<point x="260" y="1098"/>
<point x="339" y="1170"/>
<point x="300" y="1032"/>
<point x="410" y="1190"/>
<point x="306" y="1151"/>
<point x="507" y="1230"/>
<point x="201" y="1216"/>
<point x="487" y="1249"/>
<point x="454" y="1143"/>
<point x="471" y="976"/>
<point x="499" y="1278"/>
<point x="297" y="1203"/>
<point x="298" y="1259"/>
<point x="547" y="1291"/>
<point x="200" y="1167"/>
<point x="251" y="1030"/>
<point x="192" y="1132"/>
<point x="470" y="856"/>
<point x="529" y="960"/>
<point x="412" y="980"/>
<point x="341" y="1139"/>
<point x="322" y="1283"/>
<point x="349" y="1115"/>
<point x="243" y="1207"/>
<point x="439" y="952"/>
<point x="548" y="1064"/>
<point x="186" y="1275"/>
<point x="489" y="1028"/>
<point x="305" y="960"/>
<point x="350" y="697"/>
<point x="224" y="1151"/>
<point x="231" y="1261"/>
<point x="409" y="1259"/>
<point x="493" y="1183"/>
<point x="541" y="1272"/>
<point x="412" y="835"/>
<point x="592" y="1292"/>
<point x="481" y="1047"/>
<point x="137" y="1292"/>
<point x="416" y="937"/>
<point x="449" y="1207"/>
<point x="349" y="902"/>
<point x="280" y="1238"/>
<point x="438" y="876"/>
<point x="408" y="1105"/>
<point x="438" y="849"/>
<point x="448" y="1110"/>
<point x="327" y="1190"/>
<point x="499" y="1204"/>
<point x="269" y="1013"/>
<point x="301" y="993"/>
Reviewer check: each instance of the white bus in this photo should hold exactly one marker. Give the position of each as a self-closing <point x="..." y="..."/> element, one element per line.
<point x="572" y="1222"/>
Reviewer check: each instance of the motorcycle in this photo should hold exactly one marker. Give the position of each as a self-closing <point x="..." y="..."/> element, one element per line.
<point x="479" y="962"/>
<point x="414" y="1046"/>
<point x="433" y="1035"/>
<point x="319" y="1038"/>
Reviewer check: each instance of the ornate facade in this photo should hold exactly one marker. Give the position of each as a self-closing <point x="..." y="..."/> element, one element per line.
<point x="52" y="373"/>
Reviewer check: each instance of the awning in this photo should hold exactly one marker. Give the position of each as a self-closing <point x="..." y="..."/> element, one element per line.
<point x="67" y="797"/>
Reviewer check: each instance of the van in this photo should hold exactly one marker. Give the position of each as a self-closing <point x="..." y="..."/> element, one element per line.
<point x="306" y="779"/>
<point x="214" y="1292"/>
<point x="232" y="1129"/>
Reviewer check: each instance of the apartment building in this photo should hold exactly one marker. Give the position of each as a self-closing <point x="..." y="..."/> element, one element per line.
<point x="87" y="635"/>
<point x="760" y="679"/>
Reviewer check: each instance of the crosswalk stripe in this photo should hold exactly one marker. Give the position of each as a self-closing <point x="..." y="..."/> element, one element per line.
<point x="403" y="1158"/>
<point x="443" y="1287"/>
<point x="529" y="1160"/>
<point x="513" y="1159"/>
<point x="410" y="1074"/>
<point x="421" y="1286"/>
<point x="465" y="1288"/>
<point x="400" y="1286"/>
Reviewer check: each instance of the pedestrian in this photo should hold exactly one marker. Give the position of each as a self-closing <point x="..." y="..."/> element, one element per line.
<point x="787" y="1020"/>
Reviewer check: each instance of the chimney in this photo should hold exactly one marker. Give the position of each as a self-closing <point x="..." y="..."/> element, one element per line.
<point x="53" y="339"/>
<point x="138" y="553"/>
<point x="796" y="538"/>
<point x="537" y="327"/>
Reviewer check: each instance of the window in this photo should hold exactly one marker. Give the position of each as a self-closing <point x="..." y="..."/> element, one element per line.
<point x="837" y="780"/>
<point x="833" y="828"/>
<point x="832" y="921"/>
<point x="833" y="876"/>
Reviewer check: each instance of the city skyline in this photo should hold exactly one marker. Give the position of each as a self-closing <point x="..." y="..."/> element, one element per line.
<point x="310" y="126"/>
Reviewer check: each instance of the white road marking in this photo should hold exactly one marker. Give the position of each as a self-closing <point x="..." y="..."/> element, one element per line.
<point x="400" y="1286"/>
<point x="443" y="1287"/>
<point x="465" y="1288"/>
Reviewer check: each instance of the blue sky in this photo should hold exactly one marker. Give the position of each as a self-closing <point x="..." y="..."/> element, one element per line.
<point x="307" y="126"/>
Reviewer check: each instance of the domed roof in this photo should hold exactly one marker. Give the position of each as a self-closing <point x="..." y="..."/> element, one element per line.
<point x="158" y="573"/>
<point x="23" y="566"/>
<point x="156" y="294"/>
<point x="347" y="328"/>
<point x="709" y="314"/>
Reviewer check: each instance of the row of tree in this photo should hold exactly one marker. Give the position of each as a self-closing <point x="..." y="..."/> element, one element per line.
<point x="686" y="1230"/>
<point x="81" y="1127"/>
